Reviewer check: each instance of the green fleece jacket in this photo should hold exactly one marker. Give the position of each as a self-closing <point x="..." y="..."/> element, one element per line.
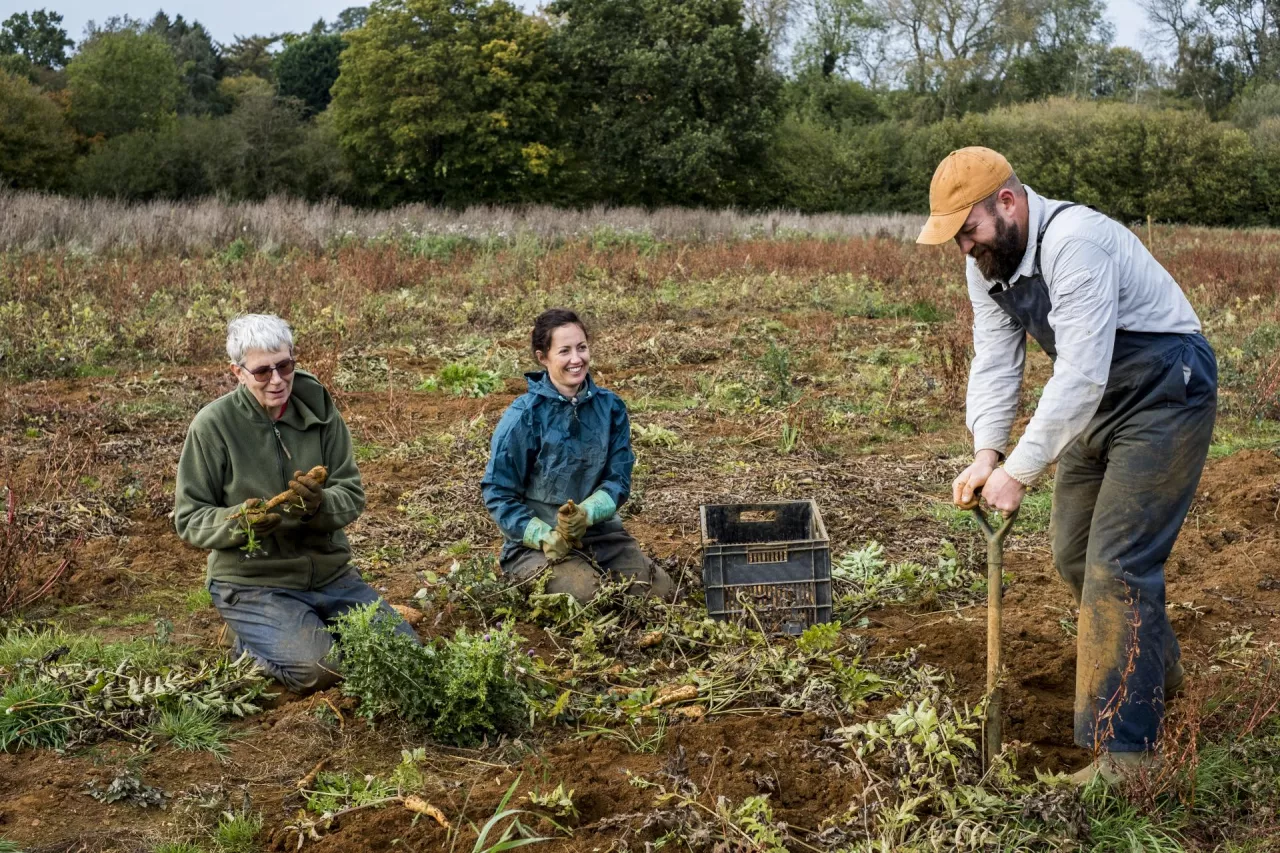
<point x="234" y="451"/>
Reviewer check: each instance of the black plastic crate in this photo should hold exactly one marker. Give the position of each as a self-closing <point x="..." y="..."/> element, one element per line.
<point x="773" y="559"/>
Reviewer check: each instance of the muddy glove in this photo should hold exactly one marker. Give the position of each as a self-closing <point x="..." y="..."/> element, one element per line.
<point x="555" y="547"/>
<point x="261" y="523"/>
<point x="309" y="490"/>
<point x="572" y="522"/>
<point x="539" y="536"/>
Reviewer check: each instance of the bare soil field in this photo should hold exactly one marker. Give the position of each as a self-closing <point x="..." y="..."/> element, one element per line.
<point x="754" y="369"/>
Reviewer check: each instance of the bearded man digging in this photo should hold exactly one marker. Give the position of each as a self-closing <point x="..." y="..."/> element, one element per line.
<point x="1127" y="415"/>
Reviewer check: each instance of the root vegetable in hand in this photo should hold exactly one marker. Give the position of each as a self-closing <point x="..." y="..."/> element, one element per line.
<point x="572" y="522"/>
<point x="309" y="490"/>
<point x="253" y="509"/>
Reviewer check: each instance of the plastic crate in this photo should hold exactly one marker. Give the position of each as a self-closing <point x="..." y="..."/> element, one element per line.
<point x="772" y="559"/>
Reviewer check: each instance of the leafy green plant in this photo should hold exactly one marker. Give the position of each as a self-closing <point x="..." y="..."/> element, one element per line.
<point x="460" y="690"/>
<point x="333" y="792"/>
<point x="860" y="566"/>
<point x="754" y="817"/>
<point x="463" y="380"/>
<point x="863" y="580"/>
<point x="654" y="435"/>
<point x="558" y="802"/>
<point x="855" y="684"/>
<point x="819" y="638"/>
<point x="238" y="833"/>
<point x="193" y="729"/>
<point x="73" y="692"/>
<point x="128" y="787"/>
<point x="7" y="846"/>
<point x="776" y="362"/>
<point x="407" y="777"/>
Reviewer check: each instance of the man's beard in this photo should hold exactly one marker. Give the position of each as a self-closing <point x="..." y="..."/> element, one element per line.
<point x="999" y="261"/>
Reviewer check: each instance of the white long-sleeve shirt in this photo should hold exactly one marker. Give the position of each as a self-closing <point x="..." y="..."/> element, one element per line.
<point x="1100" y="278"/>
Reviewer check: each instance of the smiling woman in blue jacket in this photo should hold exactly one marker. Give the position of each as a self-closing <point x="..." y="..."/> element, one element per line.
<point x="560" y="468"/>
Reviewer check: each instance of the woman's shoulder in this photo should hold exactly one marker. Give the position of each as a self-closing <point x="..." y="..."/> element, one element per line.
<point x="608" y="397"/>
<point x="214" y="414"/>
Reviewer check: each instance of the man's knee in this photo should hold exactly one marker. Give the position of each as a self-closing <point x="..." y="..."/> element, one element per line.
<point x="307" y="675"/>
<point x="575" y="577"/>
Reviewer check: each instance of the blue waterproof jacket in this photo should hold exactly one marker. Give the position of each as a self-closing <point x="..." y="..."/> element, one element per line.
<point x="547" y="450"/>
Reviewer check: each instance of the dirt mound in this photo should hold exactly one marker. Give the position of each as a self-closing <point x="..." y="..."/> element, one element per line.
<point x="1244" y="489"/>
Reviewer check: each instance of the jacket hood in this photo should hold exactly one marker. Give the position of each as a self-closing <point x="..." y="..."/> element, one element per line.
<point x="309" y="403"/>
<point x="540" y="384"/>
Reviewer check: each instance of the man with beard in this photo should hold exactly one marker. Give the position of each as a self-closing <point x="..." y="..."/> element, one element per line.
<point x="1127" y="416"/>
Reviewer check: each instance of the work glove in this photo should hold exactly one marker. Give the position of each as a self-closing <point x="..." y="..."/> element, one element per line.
<point x="572" y="522"/>
<point x="261" y="523"/>
<point x="555" y="547"/>
<point x="309" y="490"/>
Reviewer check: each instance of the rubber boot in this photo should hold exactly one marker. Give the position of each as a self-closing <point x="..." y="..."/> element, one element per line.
<point x="1174" y="680"/>
<point x="1112" y="767"/>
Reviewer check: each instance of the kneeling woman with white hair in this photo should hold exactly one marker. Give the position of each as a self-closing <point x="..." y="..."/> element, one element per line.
<point x="278" y="578"/>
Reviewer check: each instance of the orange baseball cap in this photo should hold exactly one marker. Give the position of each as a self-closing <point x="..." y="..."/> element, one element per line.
<point x="961" y="180"/>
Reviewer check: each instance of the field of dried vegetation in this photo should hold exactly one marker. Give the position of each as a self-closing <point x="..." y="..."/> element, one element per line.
<point x="762" y="358"/>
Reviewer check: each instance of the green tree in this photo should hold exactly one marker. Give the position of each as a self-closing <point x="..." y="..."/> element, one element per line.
<point x="670" y="101"/>
<point x="1069" y="38"/>
<point x="307" y="69"/>
<point x="249" y="55"/>
<point x="36" y="145"/>
<point x="122" y="81"/>
<point x="199" y="63"/>
<point x="350" y="18"/>
<point x="38" y="36"/>
<point x="450" y="101"/>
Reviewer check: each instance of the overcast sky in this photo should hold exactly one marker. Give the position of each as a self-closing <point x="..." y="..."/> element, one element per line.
<point x="228" y="18"/>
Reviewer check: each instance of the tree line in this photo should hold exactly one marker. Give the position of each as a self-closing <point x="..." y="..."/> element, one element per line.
<point x="816" y="105"/>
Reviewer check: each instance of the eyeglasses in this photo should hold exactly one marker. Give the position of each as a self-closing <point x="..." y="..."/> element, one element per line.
<point x="263" y="374"/>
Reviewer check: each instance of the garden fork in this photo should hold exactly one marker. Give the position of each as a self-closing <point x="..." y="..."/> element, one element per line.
<point x="991" y="729"/>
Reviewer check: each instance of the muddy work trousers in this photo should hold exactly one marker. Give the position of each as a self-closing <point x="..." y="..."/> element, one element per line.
<point x="286" y="630"/>
<point x="617" y="554"/>
<point x="1121" y="493"/>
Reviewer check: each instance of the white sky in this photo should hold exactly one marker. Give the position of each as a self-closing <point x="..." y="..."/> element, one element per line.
<point x="226" y="19"/>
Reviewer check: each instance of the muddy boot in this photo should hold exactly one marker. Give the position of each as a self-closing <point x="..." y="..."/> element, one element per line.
<point x="1112" y="767"/>
<point x="1174" y="680"/>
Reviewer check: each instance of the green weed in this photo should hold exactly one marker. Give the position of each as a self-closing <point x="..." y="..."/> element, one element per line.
<point x="776" y="362"/>
<point x="198" y="599"/>
<point x="514" y="834"/>
<point x="128" y="620"/>
<point x="33" y="715"/>
<point x="789" y="439"/>
<point x="463" y="380"/>
<point x="193" y="729"/>
<point x="177" y="847"/>
<point x="333" y="792"/>
<point x="654" y="435"/>
<point x="238" y="833"/>
<point x="461" y="690"/>
<point x="864" y="579"/>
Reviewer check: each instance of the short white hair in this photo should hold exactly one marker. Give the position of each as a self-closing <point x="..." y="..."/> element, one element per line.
<point x="264" y="332"/>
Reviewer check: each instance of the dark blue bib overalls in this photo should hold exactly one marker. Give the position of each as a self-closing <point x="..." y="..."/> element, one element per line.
<point x="1121" y="493"/>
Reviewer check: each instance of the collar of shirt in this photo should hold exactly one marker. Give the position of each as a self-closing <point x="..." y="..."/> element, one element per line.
<point x="1035" y="216"/>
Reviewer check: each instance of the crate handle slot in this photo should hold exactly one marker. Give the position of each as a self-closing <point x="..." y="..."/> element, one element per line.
<point x="758" y="516"/>
<point x="770" y="555"/>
